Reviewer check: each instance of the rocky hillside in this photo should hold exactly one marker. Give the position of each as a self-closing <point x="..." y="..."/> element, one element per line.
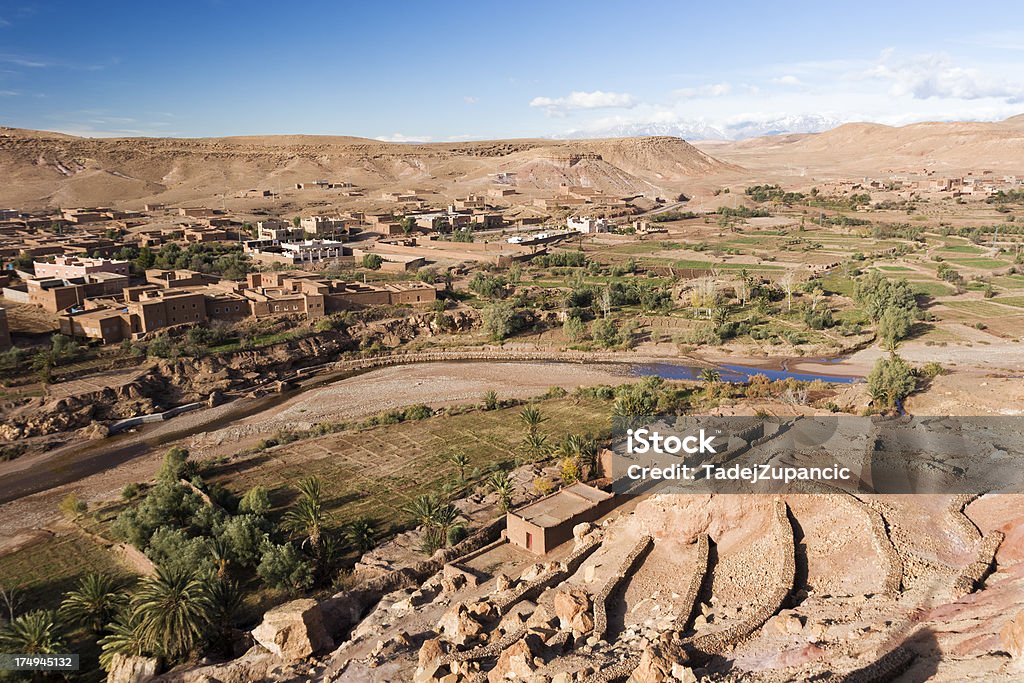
<point x="48" y="169"/>
<point x="874" y="148"/>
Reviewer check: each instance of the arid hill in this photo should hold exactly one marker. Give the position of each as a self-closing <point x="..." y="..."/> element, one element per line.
<point x="871" y="148"/>
<point x="50" y="169"/>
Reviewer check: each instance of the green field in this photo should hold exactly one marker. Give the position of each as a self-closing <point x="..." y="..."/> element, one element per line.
<point x="43" y="570"/>
<point x="1017" y="301"/>
<point x="375" y="472"/>
<point x="962" y="249"/>
<point x="979" y="308"/>
<point x="929" y="288"/>
<point x="986" y="263"/>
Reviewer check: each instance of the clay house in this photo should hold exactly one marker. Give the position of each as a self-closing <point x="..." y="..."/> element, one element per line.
<point x="68" y="267"/>
<point x="196" y="212"/>
<point x="547" y="522"/>
<point x="59" y="294"/>
<point x="322" y="226"/>
<point x="105" y="324"/>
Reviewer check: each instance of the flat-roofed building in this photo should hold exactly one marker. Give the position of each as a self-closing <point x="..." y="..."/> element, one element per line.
<point x="71" y="266"/>
<point x="157" y="309"/>
<point x="59" y="294"/>
<point x="547" y="522"/>
<point x="108" y="325"/>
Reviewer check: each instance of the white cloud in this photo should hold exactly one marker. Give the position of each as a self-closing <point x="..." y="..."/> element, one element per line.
<point x="709" y="90"/>
<point x="788" y="79"/>
<point x="598" y="99"/>
<point x="400" y="137"/>
<point x="469" y="99"/>
<point x="928" y="76"/>
<point x="9" y="93"/>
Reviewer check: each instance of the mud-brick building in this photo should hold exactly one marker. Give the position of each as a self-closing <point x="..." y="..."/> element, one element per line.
<point x="547" y="522"/>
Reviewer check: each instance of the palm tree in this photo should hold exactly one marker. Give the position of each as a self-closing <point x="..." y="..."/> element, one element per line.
<point x="225" y="601"/>
<point x="33" y="633"/>
<point x="501" y="483"/>
<point x="461" y="461"/>
<point x="306" y="517"/>
<point x="423" y="509"/>
<point x="532" y="418"/>
<point x="360" y="534"/>
<point x="535" y="447"/>
<point x="94" y="602"/>
<point x="124" y="637"/>
<point x="710" y="375"/>
<point x="312" y="488"/>
<point x="490" y="400"/>
<point x="174" y="610"/>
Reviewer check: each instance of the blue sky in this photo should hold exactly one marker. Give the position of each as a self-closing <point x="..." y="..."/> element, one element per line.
<point x="459" y="70"/>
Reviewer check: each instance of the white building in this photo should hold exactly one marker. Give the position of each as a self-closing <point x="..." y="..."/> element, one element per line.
<point x="588" y="225"/>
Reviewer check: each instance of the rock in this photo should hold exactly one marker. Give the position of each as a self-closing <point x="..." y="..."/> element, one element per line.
<point x="515" y="662"/>
<point x="429" y="660"/>
<point x="563" y="677"/>
<point x="569" y="605"/>
<point x="660" y="663"/>
<point x="684" y="674"/>
<point x="534" y="571"/>
<point x="579" y="534"/>
<point x="130" y="669"/>
<point x="582" y="624"/>
<point x="481" y="608"/>
<point x="1012" y="636"/>
<point x="540" y="618"/>
<point x="458" y="626"/>
<point x="788" y="622"/>
<point x="293" y="631"/>
<point x="453" y="583"/>
<point x="502" y="583"/>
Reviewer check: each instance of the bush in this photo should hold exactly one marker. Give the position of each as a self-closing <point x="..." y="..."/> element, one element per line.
<point x="256" y="501"/>
<point x="282" y="567"/>
<point x="131" y="491"/>
<point x="372" y="261"/>
<point x="501" y="320"/>
<point x="72" y="506"/>
<point x="891" y="381"/>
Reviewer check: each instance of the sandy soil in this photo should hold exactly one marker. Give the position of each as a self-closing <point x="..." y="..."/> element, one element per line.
<point x="435" y="384"/>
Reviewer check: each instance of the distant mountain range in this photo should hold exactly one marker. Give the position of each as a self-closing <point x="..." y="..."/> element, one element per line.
<point x="739" y="129"/>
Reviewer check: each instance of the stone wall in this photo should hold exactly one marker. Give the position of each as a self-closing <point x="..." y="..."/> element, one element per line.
<point x="688" y="609"/>
<point x="784" y="569"/>
<point x="537" y="586"/>
<point x="611" y="586"/>
<point x="974" y="573"/>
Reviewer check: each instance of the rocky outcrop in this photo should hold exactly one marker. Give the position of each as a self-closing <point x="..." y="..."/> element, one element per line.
<point x="974" y="573"/>
<point x="293" y="631"/>
<point x="130" y="669"/>
<point x="1011" y="637"/>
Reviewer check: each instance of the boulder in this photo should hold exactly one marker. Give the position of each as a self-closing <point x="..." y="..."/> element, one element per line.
<point x="431" y="653"/>
<point x="131" y="669"/>
<point x="502" y="583"/>
<point x="788" y="622"/>
<point x="569" y="605"/>
<point x="1012" y="636"/>
<point x="534" y="571"/>
<point x="458" y="626"/>
<point x="660" y="663"/>
<point x="516" y="662"/>
<point x="293" y="631"/>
